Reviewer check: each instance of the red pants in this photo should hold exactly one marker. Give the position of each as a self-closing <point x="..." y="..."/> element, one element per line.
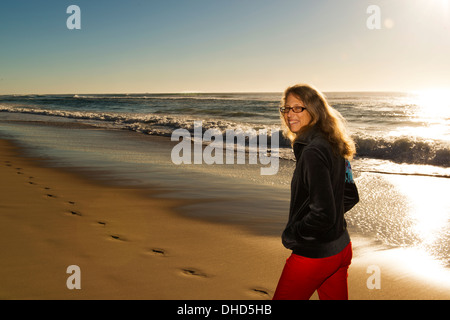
<point x="302" y="276"/>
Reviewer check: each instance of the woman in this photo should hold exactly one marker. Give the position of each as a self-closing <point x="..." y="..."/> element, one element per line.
<point x="322" y="190"/>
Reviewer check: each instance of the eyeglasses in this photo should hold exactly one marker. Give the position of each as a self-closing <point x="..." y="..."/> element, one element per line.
<point x="295" y="109"/>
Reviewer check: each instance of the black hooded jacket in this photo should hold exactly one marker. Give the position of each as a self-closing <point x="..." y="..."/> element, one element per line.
<point x="321" y="192"/>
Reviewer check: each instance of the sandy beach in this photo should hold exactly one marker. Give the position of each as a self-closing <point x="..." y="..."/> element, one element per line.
<point x="129" y="245"/>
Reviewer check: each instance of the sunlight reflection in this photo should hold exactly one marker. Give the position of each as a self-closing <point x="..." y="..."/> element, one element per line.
<point x="420" y="264"/>
<point x="429" y="210"/>
<point x="430" y="111"/>
<point x="434" y="104"/>
<point x="440" y="132"/>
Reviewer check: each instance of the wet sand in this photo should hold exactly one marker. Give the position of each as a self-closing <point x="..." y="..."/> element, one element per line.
<point x="129" y="245"/>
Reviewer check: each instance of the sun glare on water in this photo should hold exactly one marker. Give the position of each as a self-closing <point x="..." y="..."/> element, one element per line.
<point x="435" y="103"/>
<point x="430" y="109"/>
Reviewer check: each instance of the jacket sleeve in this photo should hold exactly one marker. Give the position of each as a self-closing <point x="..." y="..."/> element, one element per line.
<point x="351" y="196"/>
<point x="322" y="210"/>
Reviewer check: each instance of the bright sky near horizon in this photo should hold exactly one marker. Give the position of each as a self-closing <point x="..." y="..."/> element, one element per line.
<point x="223" y="46"/>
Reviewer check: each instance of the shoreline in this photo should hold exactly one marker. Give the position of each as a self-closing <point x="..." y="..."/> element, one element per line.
<point x="134" y="246"/>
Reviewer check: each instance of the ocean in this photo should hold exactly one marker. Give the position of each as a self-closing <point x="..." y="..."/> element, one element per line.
<point x="402" y="166"/>
<point x="397" y="127"/>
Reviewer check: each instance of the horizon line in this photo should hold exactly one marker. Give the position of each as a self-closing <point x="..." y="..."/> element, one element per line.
<point x="204" y="92"/>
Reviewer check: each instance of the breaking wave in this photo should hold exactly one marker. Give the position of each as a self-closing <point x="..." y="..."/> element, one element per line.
<point x="408" y="150"/>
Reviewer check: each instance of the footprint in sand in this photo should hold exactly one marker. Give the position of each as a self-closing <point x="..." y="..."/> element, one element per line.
<point x="158" y="252"/>
<point x="51" y="196"/>
<point x="117" y="237"/>
<point x="193" y="272"/>
<point x="261" y="292"/>
<point x="74" y="213"/>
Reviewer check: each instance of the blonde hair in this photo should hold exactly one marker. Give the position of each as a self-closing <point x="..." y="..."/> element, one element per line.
<point x="329" y="121"/>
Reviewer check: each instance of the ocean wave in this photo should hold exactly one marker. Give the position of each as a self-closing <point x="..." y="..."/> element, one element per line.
<point x="146" y="123"/>
<point x="407" y="150"/>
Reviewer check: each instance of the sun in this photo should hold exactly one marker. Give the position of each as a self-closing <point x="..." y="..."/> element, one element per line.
<point x="434" y="7"/>
<point x="444" y="4"/>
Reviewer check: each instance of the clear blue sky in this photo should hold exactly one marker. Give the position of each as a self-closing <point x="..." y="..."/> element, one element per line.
<point x="223" y="45"/>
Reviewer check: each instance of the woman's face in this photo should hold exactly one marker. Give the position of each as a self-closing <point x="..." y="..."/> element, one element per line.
<point x="296" y="121"/>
